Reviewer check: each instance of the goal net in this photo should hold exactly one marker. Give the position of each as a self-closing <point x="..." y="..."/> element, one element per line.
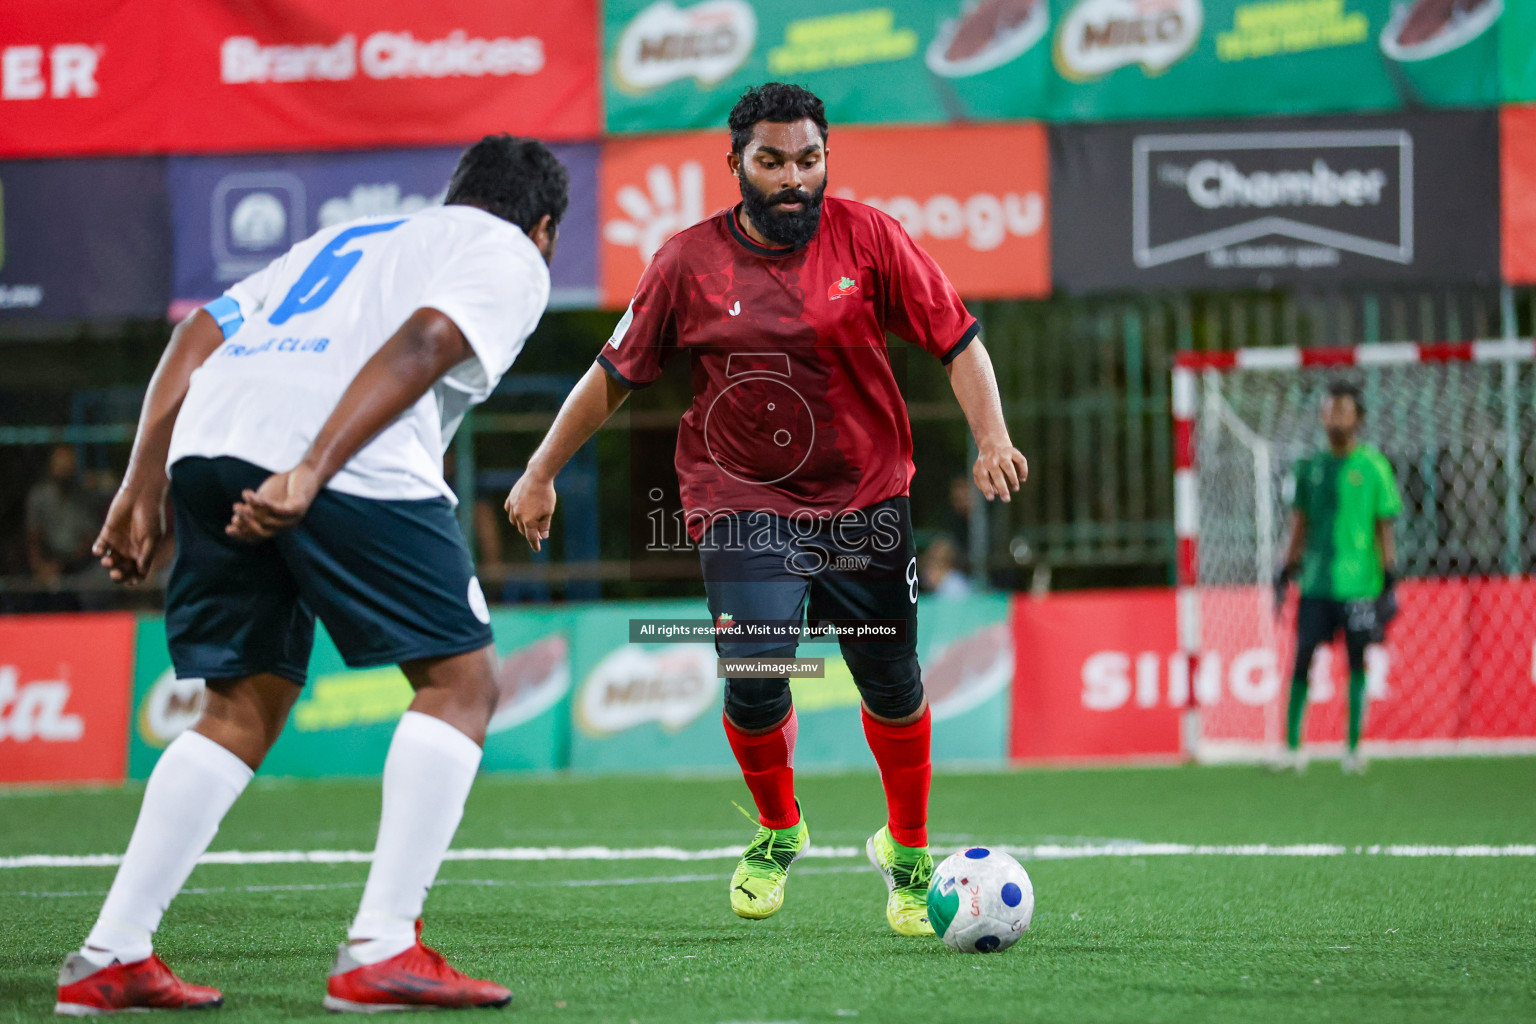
<point x="1457" y="672"/>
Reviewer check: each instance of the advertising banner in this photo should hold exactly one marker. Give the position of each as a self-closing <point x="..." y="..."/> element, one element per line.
<point x="1095" y="676"/>
<point x="1100" y="675"/>
<point x="235" y="214"/>
<point x="1197" y="58"/>
<point x="657" y="707"/>
<point x="1517" y="157"/>
<point x="83" y="239"/>
<point x="1517" y="53"/>
<point x="343" y="723"/>
<point x="673" y="65"/>
<point x="110" y="76"/>
<point x="1457" y="664"/>
<point x="984" y="221"/>
<point x="1253" y="204"/>
<point x="84" y="77"/>
<point x="64" y="697"/>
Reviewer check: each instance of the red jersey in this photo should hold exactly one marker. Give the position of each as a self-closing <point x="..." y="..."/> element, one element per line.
<point x="795" y="408"/>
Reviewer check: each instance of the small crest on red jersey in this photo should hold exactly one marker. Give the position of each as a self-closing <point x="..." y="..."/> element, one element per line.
<point x="841" y="287"/>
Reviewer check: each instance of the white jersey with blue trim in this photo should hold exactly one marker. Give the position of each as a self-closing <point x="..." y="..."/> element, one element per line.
<point x="298" y="332"/>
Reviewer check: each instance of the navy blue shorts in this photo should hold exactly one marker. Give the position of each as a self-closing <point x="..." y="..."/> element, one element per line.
<point x="391" y="580"/>
<point x="856" y="566"/>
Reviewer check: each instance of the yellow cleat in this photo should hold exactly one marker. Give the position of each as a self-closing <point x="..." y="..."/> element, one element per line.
<point x="757" y="886"/>
<point x="908" y="872"/>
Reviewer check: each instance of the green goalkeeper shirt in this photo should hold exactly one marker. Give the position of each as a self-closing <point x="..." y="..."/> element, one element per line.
<point x="1342" y="499"/>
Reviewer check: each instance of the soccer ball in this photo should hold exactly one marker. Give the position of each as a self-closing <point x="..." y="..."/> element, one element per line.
<point x="980" y="901"/>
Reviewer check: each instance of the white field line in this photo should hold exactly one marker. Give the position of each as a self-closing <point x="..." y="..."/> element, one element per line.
<point x="492" y="883"/>
<point x="1045" y="851"/>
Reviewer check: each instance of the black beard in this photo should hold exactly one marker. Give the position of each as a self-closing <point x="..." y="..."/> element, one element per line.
<point x="790" y="228"/>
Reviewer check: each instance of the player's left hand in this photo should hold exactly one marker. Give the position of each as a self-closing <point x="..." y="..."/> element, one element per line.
<point x="999" y="471"/>
<point x="277" y="505"/>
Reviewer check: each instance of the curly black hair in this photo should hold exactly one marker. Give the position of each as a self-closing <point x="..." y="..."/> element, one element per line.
<point x="776" y="102"/>
<point x="517" y="179"/>
<point x="1350" y="390"/>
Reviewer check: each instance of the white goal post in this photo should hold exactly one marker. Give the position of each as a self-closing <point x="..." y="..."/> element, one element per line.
<point x="1457" y="673"/>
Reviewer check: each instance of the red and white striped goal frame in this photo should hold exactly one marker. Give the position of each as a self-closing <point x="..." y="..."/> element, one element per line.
<point x="1187" y="365"/>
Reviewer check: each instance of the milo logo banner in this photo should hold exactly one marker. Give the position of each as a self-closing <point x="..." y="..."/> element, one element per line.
<point x="657" y="706"/>
<point x="343" y="723"/>
<point x="674" y="64"/>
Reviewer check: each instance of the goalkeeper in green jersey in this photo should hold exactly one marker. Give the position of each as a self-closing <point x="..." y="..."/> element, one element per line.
<point x="1341" y="556"/>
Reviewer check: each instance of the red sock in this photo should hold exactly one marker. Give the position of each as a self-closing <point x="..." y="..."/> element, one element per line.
<point x="768" y="764"/>
<point x="901" y="751"/>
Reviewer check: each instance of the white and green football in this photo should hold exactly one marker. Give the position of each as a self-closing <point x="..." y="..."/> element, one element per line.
<point x="980" y="900"/>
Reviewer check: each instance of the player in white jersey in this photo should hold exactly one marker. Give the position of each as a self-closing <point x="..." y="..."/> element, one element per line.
<point x="299" y="424"/>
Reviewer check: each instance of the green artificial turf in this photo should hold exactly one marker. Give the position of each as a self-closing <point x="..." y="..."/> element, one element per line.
<point x="1353" y="938"/>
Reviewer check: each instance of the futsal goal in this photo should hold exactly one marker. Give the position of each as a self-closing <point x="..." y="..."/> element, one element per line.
<point x="1457" y="673"/>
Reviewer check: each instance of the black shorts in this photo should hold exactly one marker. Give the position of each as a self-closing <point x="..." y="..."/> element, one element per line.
<point x="391" y="580"/>
<point x="1320" y="619"/>
<point x="855" y="566"/>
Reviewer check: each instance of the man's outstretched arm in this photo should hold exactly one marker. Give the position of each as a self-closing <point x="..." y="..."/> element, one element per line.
<point x="1000" y="467"/>
<point x="136" y="520"/>
<point x="416" y="356"/>
<point x="531" y="504"/>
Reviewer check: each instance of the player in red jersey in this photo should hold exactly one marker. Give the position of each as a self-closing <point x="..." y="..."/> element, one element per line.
<point x="795" y="460"/>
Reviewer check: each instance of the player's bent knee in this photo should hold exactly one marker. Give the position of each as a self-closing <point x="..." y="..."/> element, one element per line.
<point x="246" y="715"/>
<point x="460" y="689"/>
<point x="755" y="705"/>
<point x="891" y="683"/>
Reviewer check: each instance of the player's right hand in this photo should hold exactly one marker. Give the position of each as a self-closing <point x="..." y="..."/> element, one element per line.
<point x="132" y="534"/>
<point x="530" y="507"/>
<point x="999" y="471"/>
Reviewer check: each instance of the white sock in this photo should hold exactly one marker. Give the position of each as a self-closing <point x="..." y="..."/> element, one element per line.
<point x="427" y="776"/>
<point x="192" y="787"/>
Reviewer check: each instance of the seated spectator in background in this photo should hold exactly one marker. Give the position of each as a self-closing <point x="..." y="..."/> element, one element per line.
<point x="939" y="570"/>
<point x="62" y="519"/>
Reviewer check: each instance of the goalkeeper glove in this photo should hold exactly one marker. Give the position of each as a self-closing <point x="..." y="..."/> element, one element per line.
<point x="1386" y="606"/>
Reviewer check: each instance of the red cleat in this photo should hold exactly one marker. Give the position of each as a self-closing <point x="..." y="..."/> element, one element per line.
<point x="418" y="979"/>
<point x="86" y="990"/>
